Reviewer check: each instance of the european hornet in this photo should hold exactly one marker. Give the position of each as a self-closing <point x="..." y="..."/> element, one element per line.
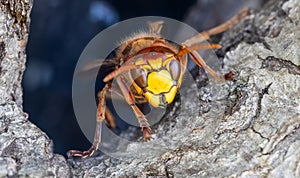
<point x="156" y="67"/>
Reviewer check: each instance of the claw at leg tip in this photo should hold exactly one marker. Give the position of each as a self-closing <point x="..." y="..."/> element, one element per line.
<point x="146" y="133"/>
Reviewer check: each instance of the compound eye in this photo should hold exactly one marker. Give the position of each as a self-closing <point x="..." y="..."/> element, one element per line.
<point x="140" y="77"/>
<point x="174" y="69"/>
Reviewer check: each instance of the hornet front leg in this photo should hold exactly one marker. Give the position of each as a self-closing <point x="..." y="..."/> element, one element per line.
<point x="100" y="117"/>
<point x="138" y="113"/>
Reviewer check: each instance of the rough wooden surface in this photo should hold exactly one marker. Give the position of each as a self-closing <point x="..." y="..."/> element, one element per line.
<point x="257" y="135"/>
<point x="24" y="149"/>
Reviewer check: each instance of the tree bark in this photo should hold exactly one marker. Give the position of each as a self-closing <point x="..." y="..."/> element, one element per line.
<point x="256" y="135"/>
<point x="24" y="149"/>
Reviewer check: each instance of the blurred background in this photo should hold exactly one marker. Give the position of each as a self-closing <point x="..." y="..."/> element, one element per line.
<point x="60" y="30"/>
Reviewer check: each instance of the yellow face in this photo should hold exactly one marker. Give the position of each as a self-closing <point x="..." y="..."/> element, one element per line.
<point x="159" y="78"/>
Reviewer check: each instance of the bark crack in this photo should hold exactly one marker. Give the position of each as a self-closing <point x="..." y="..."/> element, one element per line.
<point x="258" y="109"/>
<point x="275" y="64"/>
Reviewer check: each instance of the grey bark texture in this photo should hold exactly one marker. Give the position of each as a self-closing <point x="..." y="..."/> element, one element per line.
<point x="24" y="149"/>
<point x="257" y="135"/>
